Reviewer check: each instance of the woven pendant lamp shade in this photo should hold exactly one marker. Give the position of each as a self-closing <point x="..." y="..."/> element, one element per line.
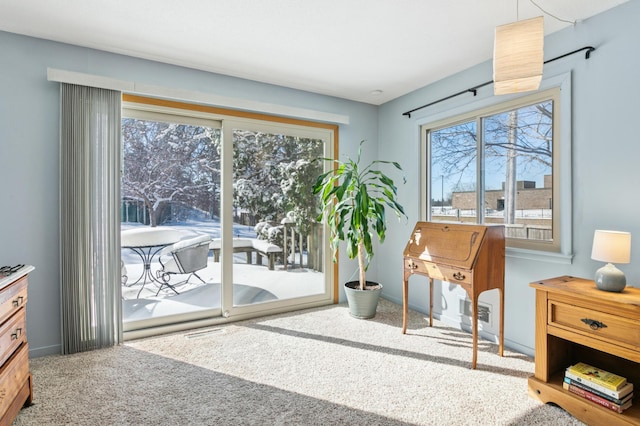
<point x="518" y="56"/>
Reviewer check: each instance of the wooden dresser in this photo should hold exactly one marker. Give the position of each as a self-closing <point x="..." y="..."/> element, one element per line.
<point x="576" y="322"/>
<point x="16" y="387"/>
<point x="471" y="256"/>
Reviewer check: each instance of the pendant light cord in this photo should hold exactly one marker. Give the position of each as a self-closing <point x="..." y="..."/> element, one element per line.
<point x="550" y="14"/>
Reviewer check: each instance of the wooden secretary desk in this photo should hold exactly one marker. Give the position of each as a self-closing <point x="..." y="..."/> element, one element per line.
<point x="469" y="255"/>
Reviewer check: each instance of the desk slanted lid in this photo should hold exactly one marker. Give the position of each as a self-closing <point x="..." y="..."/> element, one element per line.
<point x="446" y="243"/>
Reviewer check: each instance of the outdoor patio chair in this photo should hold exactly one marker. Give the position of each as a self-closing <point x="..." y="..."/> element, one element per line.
<point x="184" y="257"/>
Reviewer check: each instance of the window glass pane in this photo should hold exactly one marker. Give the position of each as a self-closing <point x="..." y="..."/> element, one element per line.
<point x="518" y="171"/>
<point x="453" y="173"/>
<point x="503" y="160"/>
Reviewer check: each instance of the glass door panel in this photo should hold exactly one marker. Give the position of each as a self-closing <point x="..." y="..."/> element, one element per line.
<point x="170" y="196"/>
<point x="278" y="250"/>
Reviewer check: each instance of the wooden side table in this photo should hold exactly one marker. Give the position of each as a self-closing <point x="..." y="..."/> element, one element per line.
<point x="576" y="322"/>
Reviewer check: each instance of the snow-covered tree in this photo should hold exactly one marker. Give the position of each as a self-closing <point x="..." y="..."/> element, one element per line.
<point x="297" y="182"/>
<point x="168" y="162"/>
<point x="273" y="175"/>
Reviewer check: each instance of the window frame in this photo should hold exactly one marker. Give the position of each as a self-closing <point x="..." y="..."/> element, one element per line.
<point x="557" y="89"/>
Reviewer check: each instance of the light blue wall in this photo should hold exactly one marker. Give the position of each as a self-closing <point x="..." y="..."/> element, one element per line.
<point x="29" y="162"/>
<point x="605" y="149"/>
<point x="605" y="171"/>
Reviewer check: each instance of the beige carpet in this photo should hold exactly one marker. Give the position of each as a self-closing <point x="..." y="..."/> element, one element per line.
<point x="315" y="367"/>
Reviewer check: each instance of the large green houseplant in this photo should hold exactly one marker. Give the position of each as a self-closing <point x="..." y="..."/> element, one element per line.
<point x="354" y="199"/>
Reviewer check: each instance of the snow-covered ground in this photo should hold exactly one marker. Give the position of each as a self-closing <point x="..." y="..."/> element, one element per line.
<point x="252" y="283"/>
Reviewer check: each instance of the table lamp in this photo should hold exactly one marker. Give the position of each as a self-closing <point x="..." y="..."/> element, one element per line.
<point x="611" y="247"/>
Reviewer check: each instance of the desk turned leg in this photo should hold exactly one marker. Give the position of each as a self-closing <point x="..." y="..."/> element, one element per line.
<point x="405" y="304"/>
<point x="430" y="302"/>
<point x="474" y="329"/>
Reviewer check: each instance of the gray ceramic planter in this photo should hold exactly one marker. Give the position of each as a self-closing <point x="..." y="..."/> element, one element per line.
<point x="362" y="303"/>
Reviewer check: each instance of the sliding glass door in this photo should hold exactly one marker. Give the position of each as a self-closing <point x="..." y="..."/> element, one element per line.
<point x="243" y="184"/>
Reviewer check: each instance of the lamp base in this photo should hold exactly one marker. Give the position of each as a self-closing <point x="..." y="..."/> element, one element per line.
<point x="610" y="278"/>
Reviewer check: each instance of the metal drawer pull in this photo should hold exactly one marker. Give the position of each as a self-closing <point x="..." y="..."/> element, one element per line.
<point x="412" y="265"/>
<point x="18" y="301"/>
<point x="17" y="334"/>
<point x="593" y="324"/>
<point x="458" y="276"/>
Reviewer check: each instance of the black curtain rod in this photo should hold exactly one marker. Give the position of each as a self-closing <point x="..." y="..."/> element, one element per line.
<point x="474" y="89"/>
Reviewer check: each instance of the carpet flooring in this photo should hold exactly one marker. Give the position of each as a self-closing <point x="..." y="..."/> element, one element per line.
<point x="313" y="367"/>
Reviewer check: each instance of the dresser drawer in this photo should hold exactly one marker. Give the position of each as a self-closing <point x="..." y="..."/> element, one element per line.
<point x="438" y="272"/>
<point x="13" y="375"/>
<point x="12" y="334"/>
<point x="12" y="298"/>
<point x="589" y="322"/>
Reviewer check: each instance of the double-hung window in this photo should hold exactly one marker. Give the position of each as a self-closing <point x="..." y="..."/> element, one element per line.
<point x="499" y="165"/>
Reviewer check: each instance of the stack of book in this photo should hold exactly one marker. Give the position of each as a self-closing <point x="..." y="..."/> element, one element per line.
<point x="606" y="389"/>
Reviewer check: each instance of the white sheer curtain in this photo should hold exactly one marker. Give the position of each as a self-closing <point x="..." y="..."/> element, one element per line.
<point x="90" y="218"/>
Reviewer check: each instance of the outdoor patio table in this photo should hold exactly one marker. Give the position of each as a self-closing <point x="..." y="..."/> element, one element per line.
<point x="147" y="243"/>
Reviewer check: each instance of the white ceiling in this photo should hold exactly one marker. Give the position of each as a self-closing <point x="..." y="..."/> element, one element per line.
<point x="343" y="48"/>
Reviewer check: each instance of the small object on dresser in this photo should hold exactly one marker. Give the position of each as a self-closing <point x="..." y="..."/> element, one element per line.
<point x="5" y="271"/>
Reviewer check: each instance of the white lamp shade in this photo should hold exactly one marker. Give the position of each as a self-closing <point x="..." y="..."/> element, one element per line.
<point x="518" y="56"/>
<point x="611" y="246"/>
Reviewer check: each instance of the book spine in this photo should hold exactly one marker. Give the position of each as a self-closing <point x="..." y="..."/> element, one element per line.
<point x="593" y="397"/>
<point x="593" y="390"/>
<point x="593" y="385"/>
<point x="614" y="384"/>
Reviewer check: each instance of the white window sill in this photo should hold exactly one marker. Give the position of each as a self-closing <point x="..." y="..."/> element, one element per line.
<point x="540" y="256"/>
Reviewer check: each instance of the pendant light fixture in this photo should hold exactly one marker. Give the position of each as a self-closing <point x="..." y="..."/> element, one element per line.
<point x="518" y="56"/>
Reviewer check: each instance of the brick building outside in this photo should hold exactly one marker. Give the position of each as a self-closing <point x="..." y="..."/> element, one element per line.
<point x="533" y="209"/>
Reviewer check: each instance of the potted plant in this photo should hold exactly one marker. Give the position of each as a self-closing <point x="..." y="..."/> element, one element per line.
<point x="354" y="199"/>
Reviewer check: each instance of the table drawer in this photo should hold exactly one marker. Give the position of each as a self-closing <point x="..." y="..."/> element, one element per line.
<point x="12" y="334"/>
<point x="438" y="272"/>
<point x="13" y="374"/>
<point x="589" y="322"/>
<point x="13" y="298"/>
